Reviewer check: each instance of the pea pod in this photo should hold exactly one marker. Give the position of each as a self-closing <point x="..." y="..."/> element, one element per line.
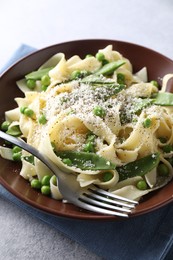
<point x="141" y="103"/>
<point x="29" y="159"/>
<point x="164" y="99"/>
<point x="97" y="79"/>
<point x="86" y="161"/>
<point x="14" y="131"/>
<point x="38" y="74"/>
<point x="113" y="90"/>
<point x="161" y="99"/>
<point x="112" y="87"/>
<point x="139" y="167"/>
<point x="109" y="68"/>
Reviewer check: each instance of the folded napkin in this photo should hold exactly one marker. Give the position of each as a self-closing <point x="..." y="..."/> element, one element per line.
<point x="145" y="237"/>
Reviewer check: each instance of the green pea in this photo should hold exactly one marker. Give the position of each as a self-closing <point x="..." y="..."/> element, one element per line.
<point x="67" y="161"/>
<point x="16" y="149"/>
<point x="99" y="111"/>
<point x="46" y="180"/>
<point x="42" y="120"/>
<point x="44" y="87"/>
<point x="45" y="190"/>
<point x="163" y="170"/>
<point x="76" y="74"/>
<point x="107" y="176"/>
<point x="22" y="110"/>
<point x="28" y="112"/>
<point x="88" y="56"/>
<point x="147" y="123"/>
<point x="155" y="83"/>
<point x="141" y="185"/>
<point x="45" y="80"/>
<point x="54" y="180"/>
<point x="89" y="147"/>
<point x="36" y="184"/>
<point x="100" y="56"/>
<point x="5" y="125"/>
<point x="17" y="156"/>
<point x="31" y="83"/>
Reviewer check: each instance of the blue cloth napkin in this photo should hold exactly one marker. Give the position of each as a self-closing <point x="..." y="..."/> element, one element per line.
<point x="145" y="237"/>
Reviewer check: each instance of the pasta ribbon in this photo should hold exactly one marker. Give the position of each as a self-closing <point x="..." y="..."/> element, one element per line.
<point x="95" y="118"/>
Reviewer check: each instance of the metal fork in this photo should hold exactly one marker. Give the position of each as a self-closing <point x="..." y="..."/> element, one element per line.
<point x="92" y="198"/>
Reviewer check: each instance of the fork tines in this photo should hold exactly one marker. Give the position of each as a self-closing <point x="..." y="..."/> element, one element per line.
<point x="104" y="202"/>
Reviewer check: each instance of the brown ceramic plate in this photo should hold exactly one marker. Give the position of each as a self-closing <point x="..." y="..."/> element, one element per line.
<point x="157" y="64"/>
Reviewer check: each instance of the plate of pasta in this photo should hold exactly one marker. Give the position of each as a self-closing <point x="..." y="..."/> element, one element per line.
<point x="99" y="109"/>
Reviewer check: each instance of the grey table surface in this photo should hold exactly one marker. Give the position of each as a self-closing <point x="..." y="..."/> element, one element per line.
<point x="40" y="23"/>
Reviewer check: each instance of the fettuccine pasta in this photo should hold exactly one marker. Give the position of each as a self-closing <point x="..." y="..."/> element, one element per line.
<point x="97" y="119"/>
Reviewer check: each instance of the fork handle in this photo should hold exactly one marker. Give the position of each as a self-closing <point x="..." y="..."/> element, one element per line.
<point x="54" y="168"/>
